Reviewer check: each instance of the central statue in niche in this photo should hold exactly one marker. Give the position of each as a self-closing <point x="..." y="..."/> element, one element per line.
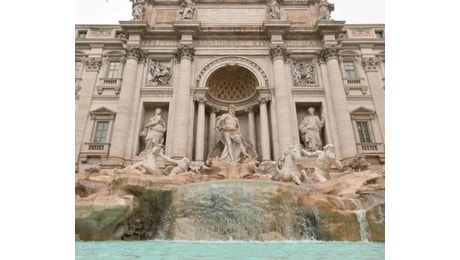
<point x="232" y="146"/>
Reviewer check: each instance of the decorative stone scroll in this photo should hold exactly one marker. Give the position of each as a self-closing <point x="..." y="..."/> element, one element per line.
<point x="303" y="72"/>
<point x="159" y="74"/>
<point x="370" y="63"/>
<point x="184" y="51"/>
<point x="327" y="52"/>
<point x="93" y="64"/>
<point x="136" y="52"/>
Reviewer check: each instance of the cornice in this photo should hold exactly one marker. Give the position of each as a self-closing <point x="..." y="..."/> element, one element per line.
<point x="156" y="91"/>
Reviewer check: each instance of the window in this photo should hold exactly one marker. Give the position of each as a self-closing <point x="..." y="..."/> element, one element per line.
<point x="364" y="131"/>
<point x="113" y="69"/>
<point x="100" y="132"/>
<point x="379" y="34"/>
<point x="349" y="67"/>
<point x="82" y="34"/>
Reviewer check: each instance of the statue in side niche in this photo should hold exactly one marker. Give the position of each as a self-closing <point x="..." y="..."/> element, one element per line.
<point x="310" y="130"/>
<point x="154" y="131"/>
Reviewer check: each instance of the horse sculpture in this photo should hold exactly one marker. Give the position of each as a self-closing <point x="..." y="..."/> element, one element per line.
<point x="288" y="170"/>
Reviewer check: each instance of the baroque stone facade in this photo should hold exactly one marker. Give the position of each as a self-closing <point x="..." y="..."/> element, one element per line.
<point x="271" y="60"/>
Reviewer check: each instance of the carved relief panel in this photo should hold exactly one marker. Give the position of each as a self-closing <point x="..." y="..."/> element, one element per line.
<point x="159" y="72"/>
<point x="303" y="72"/>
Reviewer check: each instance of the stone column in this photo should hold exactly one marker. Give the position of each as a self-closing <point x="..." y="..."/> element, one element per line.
<point x="200" y="129"/>
<point x="339" y="101"/>
<point x="212" y="126"/>
<point x="182" y="101"/>
<point x="374" y="79"/>
<point x="283" y="99"/>
<point x="264" y="128"/>
<point x="134" y="54"/>
<point x="251" y="126"/>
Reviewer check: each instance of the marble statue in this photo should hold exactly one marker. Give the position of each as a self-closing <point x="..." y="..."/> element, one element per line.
<point x="310" y="130"/>
<point x="154" y="131"/>
<point x="274" y="10"/>
<point x="232" y="147"/>
<point x="149" y="164"/>
<point x="288" y="170"/>
<point x="179" y="166"/>
<point x="138" y="11"/>
<point x="187" y="9"/>
<point x="229" y="130"/>
<point x="324" y="10"/>
<point x="325" y="160"/>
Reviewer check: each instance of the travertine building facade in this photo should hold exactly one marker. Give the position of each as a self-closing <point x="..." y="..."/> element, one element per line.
<point x="271" y="60"/>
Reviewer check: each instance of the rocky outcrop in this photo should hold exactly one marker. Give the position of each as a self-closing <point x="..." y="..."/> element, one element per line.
<point x="124" y="204"/>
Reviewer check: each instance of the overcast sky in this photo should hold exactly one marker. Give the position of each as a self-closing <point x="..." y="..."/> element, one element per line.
<point x="112" y="11"/>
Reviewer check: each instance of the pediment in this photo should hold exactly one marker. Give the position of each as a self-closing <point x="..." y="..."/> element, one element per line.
<point x="363" y="111"/>
<point x="102" y="111"/>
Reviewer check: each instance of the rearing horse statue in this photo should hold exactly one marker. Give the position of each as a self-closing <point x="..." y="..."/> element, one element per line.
<point x="289" y="170"/>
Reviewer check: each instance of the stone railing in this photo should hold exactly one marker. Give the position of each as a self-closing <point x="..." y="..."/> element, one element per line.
<point x="96" y="149"/>
<point x="109" y="83"/>
<point x="357" y="83"/>
<point x="369" y="148"/>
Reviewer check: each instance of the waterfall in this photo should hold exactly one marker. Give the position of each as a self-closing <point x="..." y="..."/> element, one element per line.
<point x="363" y="224"/>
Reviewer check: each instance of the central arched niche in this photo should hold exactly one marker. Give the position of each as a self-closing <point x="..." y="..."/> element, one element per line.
<point x="231" y="84"/>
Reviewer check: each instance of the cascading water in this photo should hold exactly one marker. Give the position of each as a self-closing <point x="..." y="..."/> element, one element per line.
<point x="354" y="206"/>
<point x="239" y="210"/>
<point x="363" y="225"/>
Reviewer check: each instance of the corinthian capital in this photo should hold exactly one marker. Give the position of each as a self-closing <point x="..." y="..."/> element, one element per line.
<point x="327" y="52"/>
<point x="370" y="63"/>
<point x="200" y="98"/>
<point x="263" y="98"/>
<point x="185" y="51"/>
<point x="135" y="52"/>
<point x="93" y="63"/>
<point x="279" y="51"/>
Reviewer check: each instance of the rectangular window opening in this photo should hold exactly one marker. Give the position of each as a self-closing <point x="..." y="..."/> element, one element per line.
<point x="100" y="133"/>
<point x="364" y="131"/>
<point x="349" y="67"/>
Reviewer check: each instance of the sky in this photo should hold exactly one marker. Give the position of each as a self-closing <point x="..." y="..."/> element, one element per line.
<point x="112" y="11"/>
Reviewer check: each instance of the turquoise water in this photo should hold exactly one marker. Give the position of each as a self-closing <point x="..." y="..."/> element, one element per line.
<point x="228" y="250"/>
